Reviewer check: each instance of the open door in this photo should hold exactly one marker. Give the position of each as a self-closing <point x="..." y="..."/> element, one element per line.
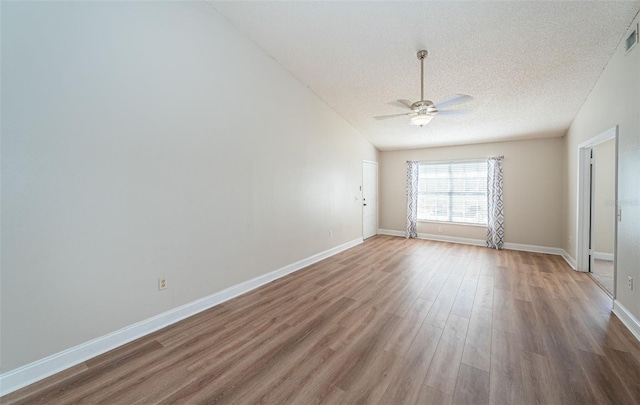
<point x="597" y="208"/>
<point x="603" y="214"/>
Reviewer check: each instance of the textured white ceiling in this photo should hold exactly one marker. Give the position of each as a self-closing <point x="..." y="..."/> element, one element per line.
<point x="528" y="65"/>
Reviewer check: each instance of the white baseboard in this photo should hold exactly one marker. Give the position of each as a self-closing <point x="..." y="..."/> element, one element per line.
<point x="452" y="239"/>
<point x="603" y="256"/>
<point x="439" y="238"/>
<point x="390" y="232"/>
<point x="482" y="242"/>
<point x="570" y="260"/>
<point x="627" y="318"/>
<point x="534" y="248"/>
<point x="40" y="369"/>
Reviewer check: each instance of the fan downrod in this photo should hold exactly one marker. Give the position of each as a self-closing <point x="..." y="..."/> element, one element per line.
<point x="422" y="55"/>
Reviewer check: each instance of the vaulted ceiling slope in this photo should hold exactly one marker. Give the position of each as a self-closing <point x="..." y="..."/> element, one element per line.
<point x="528" y="64"/>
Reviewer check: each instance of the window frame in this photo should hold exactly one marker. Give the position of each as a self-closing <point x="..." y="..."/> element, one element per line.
<point x="453" y="162"/>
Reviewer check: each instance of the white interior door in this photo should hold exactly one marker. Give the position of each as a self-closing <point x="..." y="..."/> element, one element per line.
<point x="587" y="247"/>
<point x="603" y="214"/>
<point x="369" y="199"/>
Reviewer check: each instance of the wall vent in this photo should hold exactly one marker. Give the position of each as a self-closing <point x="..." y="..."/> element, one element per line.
<point x="632" y="39"/>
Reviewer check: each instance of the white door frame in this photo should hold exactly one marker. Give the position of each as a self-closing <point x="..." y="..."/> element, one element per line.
<point x="583" y="225"/>
<point x="377" y="193"/>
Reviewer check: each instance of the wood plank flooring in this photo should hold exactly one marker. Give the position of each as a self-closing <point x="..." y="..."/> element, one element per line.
<point x="391" y="321"/>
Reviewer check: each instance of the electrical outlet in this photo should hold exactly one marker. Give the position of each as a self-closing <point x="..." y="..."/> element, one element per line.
<point x="440" y="229"/>
<point x="331" y="234"/>
<point x="630" y="283"/>
<point x="162" y="283"/>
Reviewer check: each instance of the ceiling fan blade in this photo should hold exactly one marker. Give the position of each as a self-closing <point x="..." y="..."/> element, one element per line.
<point x="454" y="112"/>
<point x="401" y="103"/>
<point x="405" y="103"/>
<point x="384" y="117"/>
<point x="456" y="99"/>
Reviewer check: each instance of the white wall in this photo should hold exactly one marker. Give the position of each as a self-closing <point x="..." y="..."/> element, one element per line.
<point x="532" y="171"/>
<point x="152" y="139"/>
<point x="604" y="195"/>
<point x="615" y="100"/>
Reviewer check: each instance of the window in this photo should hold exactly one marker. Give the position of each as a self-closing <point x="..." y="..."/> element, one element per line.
<point x="453" y="192"/>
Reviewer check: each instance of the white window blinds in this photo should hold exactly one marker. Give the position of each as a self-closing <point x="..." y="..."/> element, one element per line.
<point x="453" y="192"/>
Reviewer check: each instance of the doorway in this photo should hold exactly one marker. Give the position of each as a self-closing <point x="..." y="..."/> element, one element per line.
<point x="369" y="199"/>
<point x="597" y="209"/>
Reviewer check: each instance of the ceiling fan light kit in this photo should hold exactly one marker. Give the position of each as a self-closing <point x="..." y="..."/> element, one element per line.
<point x="421" y="119"/>
<point x="423" y="111"/>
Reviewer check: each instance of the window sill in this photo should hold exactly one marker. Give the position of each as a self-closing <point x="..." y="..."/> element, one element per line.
<point x="452" y="223"/>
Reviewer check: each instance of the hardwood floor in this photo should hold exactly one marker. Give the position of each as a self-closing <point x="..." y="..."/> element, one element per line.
<point x="602" y="272"/>
<point x="391" y="321"/>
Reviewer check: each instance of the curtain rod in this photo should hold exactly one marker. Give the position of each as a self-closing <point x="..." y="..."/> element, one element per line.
<point x="480" y="159"/>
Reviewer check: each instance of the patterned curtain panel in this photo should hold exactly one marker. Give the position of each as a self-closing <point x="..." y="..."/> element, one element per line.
<point x="495" y="215"/>
<point x="412" y="199"/>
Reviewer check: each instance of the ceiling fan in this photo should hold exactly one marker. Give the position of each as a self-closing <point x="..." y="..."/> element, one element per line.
<point x="424" y="110"/>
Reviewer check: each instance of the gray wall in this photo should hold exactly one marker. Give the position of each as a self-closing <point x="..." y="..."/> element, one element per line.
<point x="149" y="139"/>
<point x="532" y="189"/>
<point x="615" y="100"/>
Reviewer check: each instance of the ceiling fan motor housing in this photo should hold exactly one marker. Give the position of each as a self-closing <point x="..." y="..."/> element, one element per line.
<point x="424" y="106"/>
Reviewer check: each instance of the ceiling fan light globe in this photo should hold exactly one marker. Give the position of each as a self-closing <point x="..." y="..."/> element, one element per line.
<point x="421" y="119"/>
